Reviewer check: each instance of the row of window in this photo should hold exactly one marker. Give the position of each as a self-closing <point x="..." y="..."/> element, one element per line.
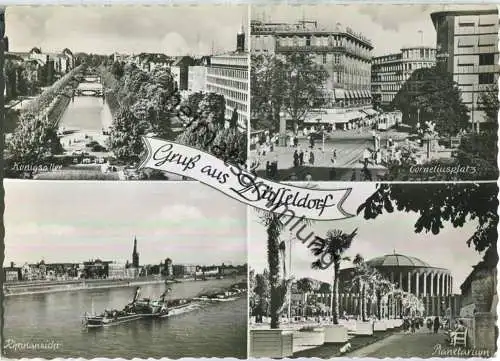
<point x="419" y="53"/>
<point x="230" y="73"/>
<point x="234" y="104"/>
<point x="235" y="84"/>
<point x="228" y="93"/>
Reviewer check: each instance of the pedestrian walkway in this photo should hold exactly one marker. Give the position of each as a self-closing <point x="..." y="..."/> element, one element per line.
<point x="421" y="344"/>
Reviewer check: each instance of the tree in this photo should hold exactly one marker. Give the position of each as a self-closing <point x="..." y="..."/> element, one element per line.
<point x="294" y="84"/>
<point x="490" y="104"/>
<point x="437" y="204"/>
<point x="261" y="290"/>
<point x="325" y="288"/>
<point x="33" y="140"/>
<point x="436" y="97"/>
<point x="277" y="284"/>
<point x="305" y="90"/>
<point x="268" y="89"/>
<point x="117" y="69"/>
<point x="125" y="136"/>
<point x="334" y="245"/>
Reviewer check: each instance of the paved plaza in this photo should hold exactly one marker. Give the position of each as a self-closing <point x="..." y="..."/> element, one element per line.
<point x="421" y="344"/>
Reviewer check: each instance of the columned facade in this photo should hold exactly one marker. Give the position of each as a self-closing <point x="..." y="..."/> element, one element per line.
<point x="432" y="285"/>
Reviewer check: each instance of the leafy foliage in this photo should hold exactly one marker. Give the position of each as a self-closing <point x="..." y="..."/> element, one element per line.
<point x="438" y="98"/>
<point x="293" y="84"/>
<point x="125" y="135"/>
<point x="334" y="245"/>
<point x="33" y="140"/>
<point x="490" y="104"/>
<point x="438" y="204"/>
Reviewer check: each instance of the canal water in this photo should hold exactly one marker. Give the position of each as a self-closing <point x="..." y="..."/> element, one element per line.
<point x="216" y="329"/>
<point x="86" y="114"/>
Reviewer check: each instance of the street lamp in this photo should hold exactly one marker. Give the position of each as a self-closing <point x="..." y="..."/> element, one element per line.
<point x="290" y="240"/>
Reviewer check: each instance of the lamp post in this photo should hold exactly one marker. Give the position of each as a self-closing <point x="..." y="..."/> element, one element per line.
<point x="290" y="240"/>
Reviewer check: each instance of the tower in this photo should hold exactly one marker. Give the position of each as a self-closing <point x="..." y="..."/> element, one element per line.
<point x="135" y="255"/>
<point x="240" y="40"/>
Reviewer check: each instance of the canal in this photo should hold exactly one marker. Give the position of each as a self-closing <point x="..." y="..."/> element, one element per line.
<point x="84" y="120"/>
<point x="210" y="330"/>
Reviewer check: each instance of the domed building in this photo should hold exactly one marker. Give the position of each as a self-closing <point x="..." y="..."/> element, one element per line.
<point x="432" y="285"/>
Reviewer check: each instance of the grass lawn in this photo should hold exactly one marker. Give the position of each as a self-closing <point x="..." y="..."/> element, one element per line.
<point x="327" y="351"/>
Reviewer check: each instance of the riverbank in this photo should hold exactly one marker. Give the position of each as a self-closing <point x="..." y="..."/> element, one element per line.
<point x="21" y="290"/>
<point x="65" y="286"/>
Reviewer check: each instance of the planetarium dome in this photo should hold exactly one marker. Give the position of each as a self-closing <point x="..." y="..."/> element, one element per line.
<point x="395" y="260"/>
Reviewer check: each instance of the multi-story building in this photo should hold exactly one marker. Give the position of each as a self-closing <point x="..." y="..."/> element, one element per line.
<point x="344" y="54"/>
<point x="227" y="75"/>
<point x="467" y="48"/>
<point x="116" y="271"/>
<point x="196" y="78"/>
<point x="389" y="72"/>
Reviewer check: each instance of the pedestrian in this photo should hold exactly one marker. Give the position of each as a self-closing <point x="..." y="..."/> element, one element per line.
<point x="274" y="168"/>
<point x="268" y="169"/>
<point x="413" y="321"/>
<point x="295" y="158"/>
<point x="429" y="324"/>
<point x="311" y="158"/>
<point x="296" y="142"/>
<point x="301" y="157"/>
<point x="436" y="324"/>
<point x="308" y="177"/>
<point x="366" y="156"/>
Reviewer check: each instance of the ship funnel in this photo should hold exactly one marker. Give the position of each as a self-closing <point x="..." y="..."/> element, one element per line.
<point x="136" y="295"/>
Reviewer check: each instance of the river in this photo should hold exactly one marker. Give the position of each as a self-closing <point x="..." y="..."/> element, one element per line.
<point x="209" y="330"/>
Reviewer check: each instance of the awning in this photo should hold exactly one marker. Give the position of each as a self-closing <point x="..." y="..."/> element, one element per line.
<point x="365" y="92"/>
<point x="339" y="93"/>
<point x="327" y="118"/>
<point x="358" y="93"/>
<point x="370" y="111"/>
<point x="352" y="115"/>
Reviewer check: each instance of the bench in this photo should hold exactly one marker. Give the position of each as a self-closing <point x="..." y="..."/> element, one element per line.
<point x="458" y="338"/>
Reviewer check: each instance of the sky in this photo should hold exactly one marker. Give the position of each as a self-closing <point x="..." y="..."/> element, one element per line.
<point x="77" y="221"/>
<point x="386" y="234"/>
<point x="172" y="30"/>
<point x="389" y="27"/>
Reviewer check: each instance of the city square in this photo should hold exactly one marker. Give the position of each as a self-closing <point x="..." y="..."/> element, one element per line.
<point x="330" y="102"/>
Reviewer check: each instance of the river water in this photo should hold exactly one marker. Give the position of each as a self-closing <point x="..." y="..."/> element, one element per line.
<point x="209" y="330"/>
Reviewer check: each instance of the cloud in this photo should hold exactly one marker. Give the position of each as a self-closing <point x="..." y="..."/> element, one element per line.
<point x="47" y="230"/>
<point x="179" y="213"/>
<point x="174" y="44"/>
<point x="391" y="17"/>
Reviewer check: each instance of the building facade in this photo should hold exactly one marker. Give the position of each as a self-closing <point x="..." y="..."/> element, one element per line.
<point x="432" y="285"/>
<point x="228" y="75"/>
<point x="467" y="48"/>
<point x="196" y="78"/>
<point x="389" y="72"/>
<point x="344" y="54"/>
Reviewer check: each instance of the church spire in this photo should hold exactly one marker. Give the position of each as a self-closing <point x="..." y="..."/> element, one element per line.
<point x="135" y="254"/>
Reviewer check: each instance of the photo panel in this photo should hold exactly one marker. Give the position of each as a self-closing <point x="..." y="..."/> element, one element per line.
<point x="85" y="84"/>
<point x="410" y="271"/>
<point x="123" y="270"/>
<point x="374" y="92"/>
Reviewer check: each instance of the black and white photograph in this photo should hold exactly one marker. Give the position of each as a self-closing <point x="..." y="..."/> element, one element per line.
<point x="413" y="274"/>
<point x="374" y="92"/>
<point x="123" y="270"/>
<point x="84" y="84"/>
